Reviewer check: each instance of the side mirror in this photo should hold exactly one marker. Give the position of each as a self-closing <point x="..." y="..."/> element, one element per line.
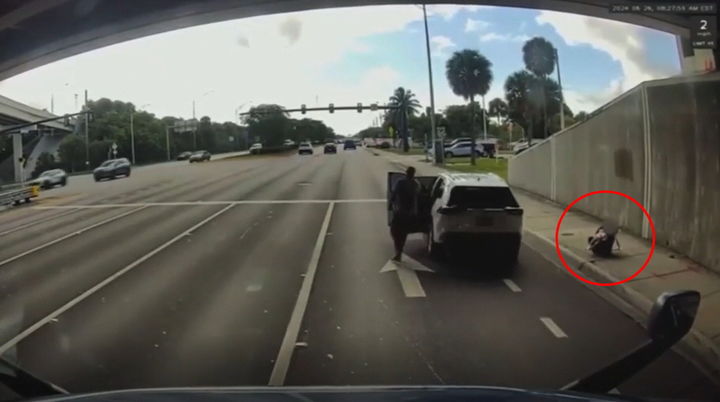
<point x="672" y="315"/>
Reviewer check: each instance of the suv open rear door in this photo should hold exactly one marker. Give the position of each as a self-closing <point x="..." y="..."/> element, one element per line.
<point x="426" y="185"/>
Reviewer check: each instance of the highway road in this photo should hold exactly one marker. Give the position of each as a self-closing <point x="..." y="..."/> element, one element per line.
<point x="267" y="270"/>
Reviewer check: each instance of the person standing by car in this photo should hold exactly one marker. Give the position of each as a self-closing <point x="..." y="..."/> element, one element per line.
<point x="404" y="200"/>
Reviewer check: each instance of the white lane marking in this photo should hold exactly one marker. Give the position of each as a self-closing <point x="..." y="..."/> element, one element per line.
<point x="191" y="203"/>
<point x="410" y="282"/>
<point x="33" y="223"/>
<point x="69" y="235"/>
<point x="67" y="306"/>
<point x="512" y="285"/>
<point x="552" y="327"/>
<point x="282" y="362"/>
<point x="406" y="271"/>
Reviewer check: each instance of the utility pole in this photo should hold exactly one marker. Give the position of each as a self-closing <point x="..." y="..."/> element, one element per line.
<point x="132" y="136"/>
<point x="432" y="92"/>
<point x="167" y="141"/>
<point x="194" y="132"/>
<point x="484" y="118"/>
<point x="87" y="141"/>
<point x="562" y="101"/>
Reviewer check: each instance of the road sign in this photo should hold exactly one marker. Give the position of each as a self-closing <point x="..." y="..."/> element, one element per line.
<point x="441" y="132"/>
<point x="114" y="146"/>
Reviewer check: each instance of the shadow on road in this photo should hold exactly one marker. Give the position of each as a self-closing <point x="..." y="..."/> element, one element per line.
<point x="465" y="266"/>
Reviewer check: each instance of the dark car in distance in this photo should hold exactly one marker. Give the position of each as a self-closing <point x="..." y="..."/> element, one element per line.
<point x="183" y="156"/>
<point x="200" y="156"/>
<point x="330" y="148"/>
<point x="112" y="168"/>
<point x="349" y="144"/>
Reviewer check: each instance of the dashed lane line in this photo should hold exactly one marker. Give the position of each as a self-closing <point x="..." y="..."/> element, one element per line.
<point x="53" y="316"/>
<point x="552" y="327"/>
<point x="192" y="203"/>
<point x="282" y="361"/>
<point x="69" y="235"/>
<point x="512" y="285"/>
<point x="35" y="222"/>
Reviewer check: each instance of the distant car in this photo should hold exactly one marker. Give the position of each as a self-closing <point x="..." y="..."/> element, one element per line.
<point x="456" y="141"/>
<point x="463" y="149"/>
<point x="112" y="168"/>
<point x="289" y="143"/>
<point x="305" y="149"/>
<point x="183" y="156"/>
<point x="50" y="179"/>
<point x="520" y="146"/>
<point x="255" y="148"/>
<point x="349" y="144"/>
<point x="200" y="156"/>
<point x="330" y="148"/>
<point x="384" y="145"/>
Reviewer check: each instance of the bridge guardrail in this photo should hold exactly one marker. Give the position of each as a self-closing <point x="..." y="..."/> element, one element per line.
<point x="15" y="197"/>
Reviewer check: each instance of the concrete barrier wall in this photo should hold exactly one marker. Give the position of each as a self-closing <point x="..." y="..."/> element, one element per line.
<point x="658" y="143"/>
<point x="605" y="153"/>
<point x="532" y="169"/>
<point x="684" y="120"/>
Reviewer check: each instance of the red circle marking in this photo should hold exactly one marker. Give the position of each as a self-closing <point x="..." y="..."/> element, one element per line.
<point x="575" y="274"/>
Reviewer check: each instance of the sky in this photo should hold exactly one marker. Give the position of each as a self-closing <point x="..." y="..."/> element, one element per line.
<point x="345" y="56"/>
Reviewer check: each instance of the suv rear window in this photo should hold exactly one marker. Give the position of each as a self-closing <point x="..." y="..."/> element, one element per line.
<point x="482" y="197"/>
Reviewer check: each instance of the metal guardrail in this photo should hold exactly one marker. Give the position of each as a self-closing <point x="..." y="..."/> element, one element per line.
<point x="15" y="197"/>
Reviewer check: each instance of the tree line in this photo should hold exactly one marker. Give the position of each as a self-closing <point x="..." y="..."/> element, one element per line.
<point x="271" y="125"/>
<point x="111" y="124"/>
<point x="532" y="100"/>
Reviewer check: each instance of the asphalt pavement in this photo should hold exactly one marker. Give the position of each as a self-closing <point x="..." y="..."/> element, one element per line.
<point x="274" y="270"/>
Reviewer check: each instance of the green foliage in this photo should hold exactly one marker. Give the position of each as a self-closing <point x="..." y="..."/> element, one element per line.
<point x="468" y="73"/>
<point x="72" y="153"/>
<point x="526" y="95"/>
<point x="406" y="106"/>
<point x="46" y="161"/>
<point x="498" y="108"/>
<point x="539" y="56"/>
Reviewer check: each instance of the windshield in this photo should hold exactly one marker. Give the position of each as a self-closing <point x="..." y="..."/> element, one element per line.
<point x="230" y="202"/>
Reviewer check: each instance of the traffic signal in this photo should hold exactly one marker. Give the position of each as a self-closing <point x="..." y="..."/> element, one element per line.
<point x="303" y="109"/>
<point x="373" y="106"/>
<point x="359" y="107"/>
<point x="332" y="108"/>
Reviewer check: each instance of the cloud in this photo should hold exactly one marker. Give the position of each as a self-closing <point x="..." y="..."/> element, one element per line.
<point x="618" y="39"/>
<point x="448" y="11"/>
<point x="584" y="101"/>
<point x="243" y="41"/>
<point x="441" y="43"/>
<point x="253" y="63"/>
<point x="496" y="37"/>
<point x="291" y="28"/>
<point x="472" y="25"/>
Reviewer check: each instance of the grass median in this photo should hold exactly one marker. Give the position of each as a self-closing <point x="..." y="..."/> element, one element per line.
<point x="483" y="165"/>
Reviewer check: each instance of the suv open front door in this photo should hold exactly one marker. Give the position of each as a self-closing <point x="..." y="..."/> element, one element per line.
<point x="424" y="201"/>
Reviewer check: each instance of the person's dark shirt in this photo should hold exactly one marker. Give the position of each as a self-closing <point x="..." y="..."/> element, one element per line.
<point x="404" y="197"/>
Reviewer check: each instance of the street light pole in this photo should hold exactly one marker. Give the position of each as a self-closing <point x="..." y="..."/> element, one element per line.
<point x="132" y="136"/>
<point x="562" y="100"/>
<point x="432" y="92"/>
<point x="87" y="141"/>
<point x="167" y="141"/>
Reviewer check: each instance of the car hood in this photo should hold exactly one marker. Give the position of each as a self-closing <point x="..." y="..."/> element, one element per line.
<point x="103" y="168"/>
<point x="338" y="394"/>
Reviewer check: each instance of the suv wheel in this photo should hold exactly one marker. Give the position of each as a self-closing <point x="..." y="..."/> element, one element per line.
<point x="433" y="249"/>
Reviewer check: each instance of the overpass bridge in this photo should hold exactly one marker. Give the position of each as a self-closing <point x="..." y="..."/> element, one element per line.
<point x="47" y="137"/>
<point x="32" y="34"/>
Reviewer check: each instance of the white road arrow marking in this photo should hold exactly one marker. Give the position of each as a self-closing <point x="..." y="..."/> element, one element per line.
<point x="406" y="271"/>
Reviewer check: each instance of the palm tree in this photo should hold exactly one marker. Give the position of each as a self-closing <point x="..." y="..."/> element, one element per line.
<point x="539" y="57"/>
<point x="525" y="94"/>
<point x="406" y="105"/>
<point x="498" y="108"/>
<point x="468" y="73"/>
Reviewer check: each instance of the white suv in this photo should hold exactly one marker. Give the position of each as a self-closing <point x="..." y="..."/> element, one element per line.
<point x="463" y="213"/>
<point x="476" y="213"/>
<point x="463" y="149"/>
